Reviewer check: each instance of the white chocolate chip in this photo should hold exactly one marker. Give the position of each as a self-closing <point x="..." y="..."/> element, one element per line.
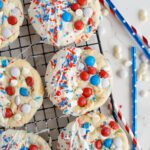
<point x="13" y="82"/>
<point x="26" y="108"/>
<point x="143" y="93"/>
<point x="117" y="142"/>
<point x="105" y="83"/>
<point x="17" y="100"/>
<point x="80" y="66"/>
<point x="88" y="12"/>
<point x="25" y="71"/>
<point x="17" y="117"/>
<point x="122" y="73"/>
<point x="15" y="72"/>
<point x="79" y="12"/>
<point x="127" y="63"/>
<point x="143" y="15"/>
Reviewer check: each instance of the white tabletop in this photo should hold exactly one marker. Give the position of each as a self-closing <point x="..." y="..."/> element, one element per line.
<point x="113" y="33"/>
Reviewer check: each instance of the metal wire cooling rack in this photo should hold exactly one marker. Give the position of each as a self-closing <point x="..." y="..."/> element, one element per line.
<point x="48" y="120"/>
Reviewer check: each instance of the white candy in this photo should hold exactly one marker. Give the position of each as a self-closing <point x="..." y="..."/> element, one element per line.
<point x="117" y="142"/>
<point x="105" y="83"/>
<point x="88" y="12"/>
<point x="127" y="63"/>
<point x="143" y="93"/>
<point x="25" y="71"/>
<point x="17" y="100"/>
<point x="26" y="108"/>
<point x="15" y="72"/>
<point x="80" y="66"/>
<point x="17" y="117"/>
<point x="122" y="73"/>
<point x="143" y="15"/>
<point x="6" y="33"/>
<point x="79" y="12"/>
<point x="13" y="82"/>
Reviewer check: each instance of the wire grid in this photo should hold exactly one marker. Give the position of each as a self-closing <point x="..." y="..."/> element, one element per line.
<point x="48" y="118"/>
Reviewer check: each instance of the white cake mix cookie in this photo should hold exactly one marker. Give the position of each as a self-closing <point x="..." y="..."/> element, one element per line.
<point x="21" y="140"/>
<point x="61" y="22"/>
<point x="21" y="92"/>
<point x="78" y="80"/>
<point x="93" y="131"/>
<point x="11" y="18"/>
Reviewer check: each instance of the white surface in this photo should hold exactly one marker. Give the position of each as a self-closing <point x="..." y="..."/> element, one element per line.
<point x="113" y="33"/>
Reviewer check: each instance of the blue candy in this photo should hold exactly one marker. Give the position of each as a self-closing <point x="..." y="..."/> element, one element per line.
<point x="5" y="63"/>
<point x="86" y="125"/>
<point x="67" y="17"/>
<point x="95" y="80"/>
<point x="1" y="4"/>
<point x="24" y="92"/>
<point x="90" y="60"/>
<point x="108" y="142"/>
<point x="24" y="148"/>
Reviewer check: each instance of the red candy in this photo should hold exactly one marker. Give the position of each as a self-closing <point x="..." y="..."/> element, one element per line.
<point x="8" y="113"/>
<point x="82" y="2"/>
<point x="87" y="92"/>
<point x="105" y="131"/>
<point x="12" y="20"/>
<point x="82" y="101"/>
<point x="87" y="48"/>
<point x="79" y="25"/>
<point x="98" y="144"/>
<point x="114" y="125"/>
<point x="58" y="93"/>
<point x="33" y="147"/>
<point x="84" y="76"/>
<point x="10" y="90"/>
<point x="90" y="22"/>
<point x="91" y="70"/>
<point x="103" y="74"/>
<point x="30" y="81"/>
<point x="75" y="6"/>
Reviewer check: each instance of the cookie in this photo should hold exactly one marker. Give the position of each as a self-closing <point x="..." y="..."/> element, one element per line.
<point x="21" y="92"/>
<point x="11" y="18"/>
<point x="63" y="22"/>
<point x="93" y="131"/>
<point x="78" y="80"/>
<point x="21" y="140"/>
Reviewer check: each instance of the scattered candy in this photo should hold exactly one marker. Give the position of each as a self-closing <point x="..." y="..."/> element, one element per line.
<point x="98" y="144"/>
<point x="114" y="125"/>
<point x="143" y="15"/>
<point x="103" y="74"/>
<point x="79" y="12"/>
<point x="84" y="76"/>
<point x="95" y="80"/>
<point x="108" y="143"/>
<point x="82" y="2"/>
<point x="26" y="108"/>
<point x="75" y="6"/>
<point x="87" y="92"/>
<point x="10" y="90"/>
<point x="29" y="81"/>
<point x="8" y="113"/>
<point x="90" y="61"/>
<point x="105" y="131"/>
<point x="88" y="12"/>
<point x="117" y="142"/>
<point x="15" y="72"/>
<point x="67" y="17"/>
<point x="33" y="147"/>
<point x="12" y="20"/>
<point x="79" y="25"/>
<point x="91" y="70"/>
<point x="82" y="101"/>
<point x="122" y="73"/>
<point x="24" y="92"/>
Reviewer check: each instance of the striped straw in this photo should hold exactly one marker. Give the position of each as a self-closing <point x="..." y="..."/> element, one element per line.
<point x="111" y="6"/>
<point x="127" y="128"/>
<point x="134" y="93"/>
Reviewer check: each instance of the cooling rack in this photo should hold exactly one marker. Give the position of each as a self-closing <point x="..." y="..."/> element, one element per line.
<point x="48" y="121"/>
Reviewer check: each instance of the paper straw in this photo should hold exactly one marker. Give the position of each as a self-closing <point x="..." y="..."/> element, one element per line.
<point x="109" y="4"/>
<point x="134" y="92"/>
<point x="127" y="128"/>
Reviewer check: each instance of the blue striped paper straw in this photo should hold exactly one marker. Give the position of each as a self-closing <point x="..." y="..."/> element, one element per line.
<point x="134" y="93"/>
<point x="129" y="28"/>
